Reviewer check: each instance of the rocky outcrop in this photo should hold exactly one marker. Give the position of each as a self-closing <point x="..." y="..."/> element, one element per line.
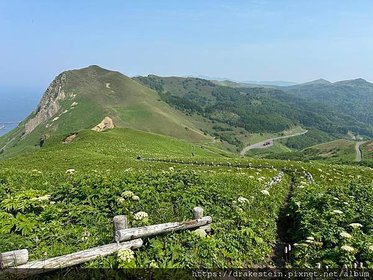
<point x="107" y="123"/>
<point x="49" y="104"/>
<point x="70" y="138"/>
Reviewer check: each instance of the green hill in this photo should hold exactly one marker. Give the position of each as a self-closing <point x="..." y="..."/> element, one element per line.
<point x="337" y="151"/>
<point x="352" y="97"/>
<point x="236" y="113"/>
<point x="81" y="99"/>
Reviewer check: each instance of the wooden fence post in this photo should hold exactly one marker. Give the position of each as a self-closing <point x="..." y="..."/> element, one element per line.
<point x="120" y="222"/>
<point x="198" y="214"/>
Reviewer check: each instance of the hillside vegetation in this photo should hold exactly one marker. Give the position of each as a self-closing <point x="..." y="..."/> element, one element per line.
<point x="73" y="191"/>
<point x="352" y="97"/>
<point x="254" y="110"/>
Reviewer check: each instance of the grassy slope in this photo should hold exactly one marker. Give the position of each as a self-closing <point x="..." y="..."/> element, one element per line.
<point x="106" y="165"/>
<point x="367" y="152"/>
<point x="111" y="149"/>
<point x="277" y="148"/>
<point x="101" y="93"/>
<point x="338" y="151"/>
<point x="136" y="106"/>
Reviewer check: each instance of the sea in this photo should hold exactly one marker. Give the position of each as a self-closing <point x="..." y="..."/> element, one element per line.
<point x="15" y="106"/>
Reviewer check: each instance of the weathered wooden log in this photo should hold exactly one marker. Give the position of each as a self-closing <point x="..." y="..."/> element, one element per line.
<point x="197" y="212"/>
<point x="131" y="233"/>
<point x="73" y="259"/>
<point x="13" y="258"/>
<point x="120" y="222"/>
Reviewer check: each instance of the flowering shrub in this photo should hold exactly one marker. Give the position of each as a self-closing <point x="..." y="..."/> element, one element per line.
<point x="84" y="205"/>
<point x="340" y="217"/>
<point x="140" y="215"/>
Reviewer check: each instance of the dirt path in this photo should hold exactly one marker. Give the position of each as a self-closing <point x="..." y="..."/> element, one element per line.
<point x="359" y="154"/>
<point x="268" y="143"/>
<point x="284" y="223"/>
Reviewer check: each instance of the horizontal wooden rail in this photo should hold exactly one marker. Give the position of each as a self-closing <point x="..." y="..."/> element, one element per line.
<point x="131" y="233"/>
<point x="36" y="267"/>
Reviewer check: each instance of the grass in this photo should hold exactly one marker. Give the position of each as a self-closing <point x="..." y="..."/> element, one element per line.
<point x="112" y="149"/>
<point x="277" y="148"/>
<point x="337" y="149"/>
<point x="367" y="152"/>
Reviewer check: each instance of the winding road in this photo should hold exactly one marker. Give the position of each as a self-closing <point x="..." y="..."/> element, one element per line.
<point x="359" y="155"/>
<point x="268" y="143"/>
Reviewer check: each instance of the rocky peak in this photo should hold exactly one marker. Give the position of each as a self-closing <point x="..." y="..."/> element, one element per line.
<point x="49" y="104"/>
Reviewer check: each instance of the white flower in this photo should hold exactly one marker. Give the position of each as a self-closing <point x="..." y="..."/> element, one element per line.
<point x="140" y="215"/>
<point x="337" y="212"/>
<point x="36" y="171"/>
<point x="153" y="264"/>
<point x="300" y="245"/>
<point x="127" y="194"/>
<point x="135" y="198"/>
<point x="355" y="225"/>
<point x="265" y="192"/>
<point x="120" y="200"/>
<point x="345" y="234"/>
<point x="86" y="235"/>
<point x="242" y="200"/>
<point x="70" y="171"/>
<point x="125" y="255"/>
<point x="171" y="168"/>
<point x="42" y="198"/>
<point x="347" y="248"/>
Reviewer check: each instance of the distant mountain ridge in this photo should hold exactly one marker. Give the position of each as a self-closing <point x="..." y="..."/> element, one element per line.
<point x="353" y="97"/>
<point x="255" y="109"/>
<point x="251" y="83"/>
<point x="194" y="109"/>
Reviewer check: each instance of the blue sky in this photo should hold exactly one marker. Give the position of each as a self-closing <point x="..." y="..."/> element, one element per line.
<point x="298" y="40"/>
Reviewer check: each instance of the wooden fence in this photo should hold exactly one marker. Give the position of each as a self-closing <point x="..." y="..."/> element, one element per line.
<point x="16" y="264"/>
